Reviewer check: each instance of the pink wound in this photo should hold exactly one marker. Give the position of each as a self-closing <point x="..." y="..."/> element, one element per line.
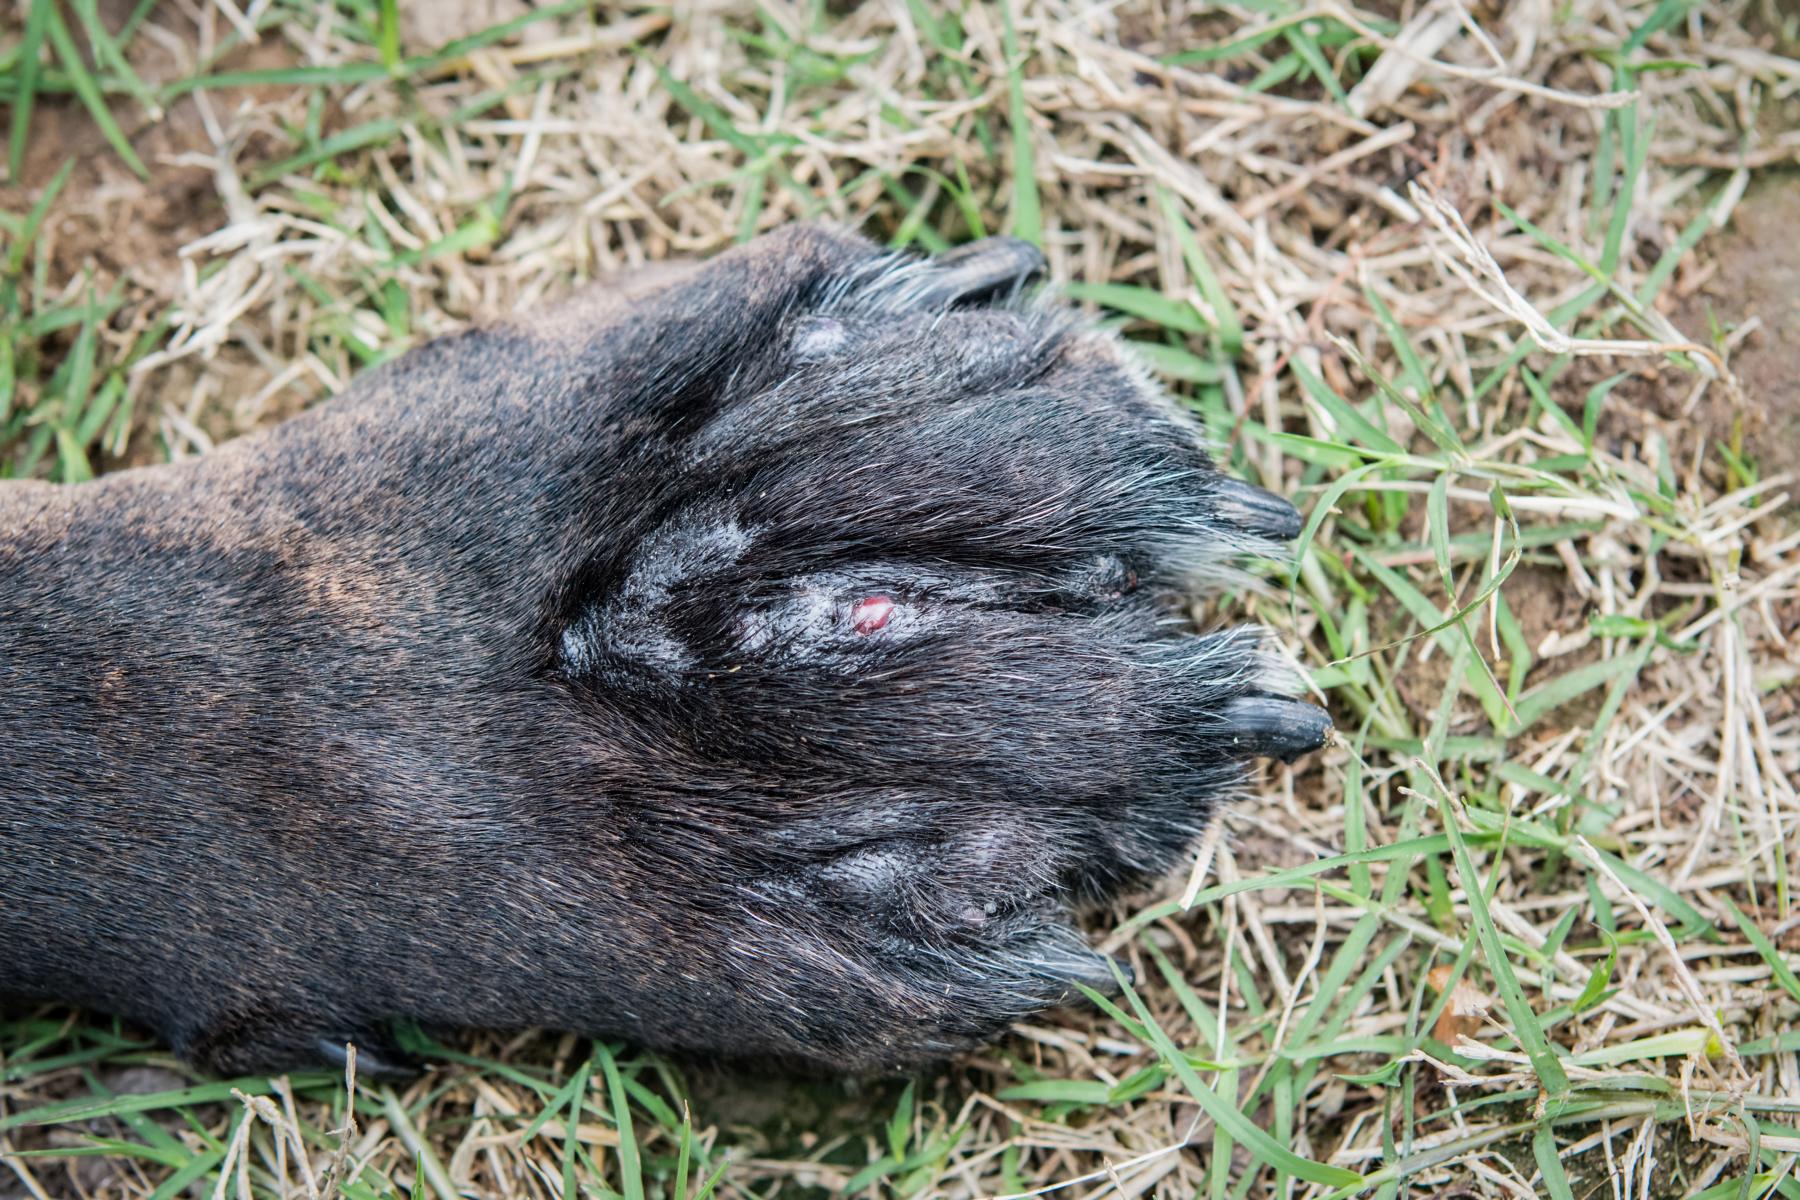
<point x="871" y="613"/>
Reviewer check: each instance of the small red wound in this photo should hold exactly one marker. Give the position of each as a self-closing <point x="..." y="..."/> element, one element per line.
<point x="871" y="613"/>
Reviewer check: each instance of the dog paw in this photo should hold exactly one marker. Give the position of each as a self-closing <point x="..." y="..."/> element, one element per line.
<point x="913" y="605"/>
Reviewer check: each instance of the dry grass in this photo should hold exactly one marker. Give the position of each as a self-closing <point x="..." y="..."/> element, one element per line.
<point x="1442" y="273"/>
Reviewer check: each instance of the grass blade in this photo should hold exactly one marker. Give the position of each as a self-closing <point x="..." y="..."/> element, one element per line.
<point x="1778" y="967"/>
<point x="631" y="1171"/>
<point x="387" y="36"/>
<point x="107" y="51"/>
<point x="37" y="20"/>
<point x="1525" y="1022"/>
<point x="82" y="80"/>
<point x="1027" y="214"/>
<point x="1226" y="1113"/>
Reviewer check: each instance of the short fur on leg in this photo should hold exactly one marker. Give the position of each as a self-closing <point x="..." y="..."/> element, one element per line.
<point x="761" y="658"/>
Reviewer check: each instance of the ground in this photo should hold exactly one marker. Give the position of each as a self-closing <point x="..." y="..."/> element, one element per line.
<point x="1507" y="298"/>
<point x="1755" y="277"/>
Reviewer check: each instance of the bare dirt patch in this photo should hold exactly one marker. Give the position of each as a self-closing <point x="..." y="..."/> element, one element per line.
<point x="112" y="233"/>
<point x="1756" y="279"/>
<point x="108" y="220"/>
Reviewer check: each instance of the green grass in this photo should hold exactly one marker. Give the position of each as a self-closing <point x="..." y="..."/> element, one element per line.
<point x="1425" y="498"/>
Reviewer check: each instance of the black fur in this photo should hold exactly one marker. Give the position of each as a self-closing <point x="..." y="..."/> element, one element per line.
<point x="759" y="658"/>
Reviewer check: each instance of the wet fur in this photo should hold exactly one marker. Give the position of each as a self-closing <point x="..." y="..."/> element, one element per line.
<point x="521" y="684"/>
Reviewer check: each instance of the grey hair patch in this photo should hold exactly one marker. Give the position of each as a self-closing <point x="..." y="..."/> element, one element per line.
<point x="819" y="339"/>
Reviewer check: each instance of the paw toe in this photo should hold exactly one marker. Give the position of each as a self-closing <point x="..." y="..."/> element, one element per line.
<point x="993" y="270"/>
<point x="1068" y="963"/>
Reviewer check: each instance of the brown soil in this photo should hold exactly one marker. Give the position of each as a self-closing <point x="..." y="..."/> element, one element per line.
<point x="1543" y="603"/>
<point x="107" y="219"/>
<point x="112" y="229"/>
<point x="1757" y="277"/>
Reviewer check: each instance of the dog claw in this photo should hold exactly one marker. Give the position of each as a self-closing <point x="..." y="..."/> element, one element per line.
<point x="1126" y="971"/>
<point x="375" y="1058"/>
<point x="991" y="269"/>
<point x="1250" y="507"/>
<point x="1073" y="964"/>
<point x="1275" y="726"/>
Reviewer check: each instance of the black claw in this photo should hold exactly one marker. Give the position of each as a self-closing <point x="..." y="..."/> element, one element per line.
<point x="1126" y="972"/>
<point x="1068" y="962"/>
<point x="990" y="269"/>
<point x="375" y="1059"/>
<point x="1275" y="726"/>
<point x="1250" y="507"/>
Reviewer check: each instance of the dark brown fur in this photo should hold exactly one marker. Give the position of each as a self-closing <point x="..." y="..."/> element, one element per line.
<point x="522" y="685"/>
